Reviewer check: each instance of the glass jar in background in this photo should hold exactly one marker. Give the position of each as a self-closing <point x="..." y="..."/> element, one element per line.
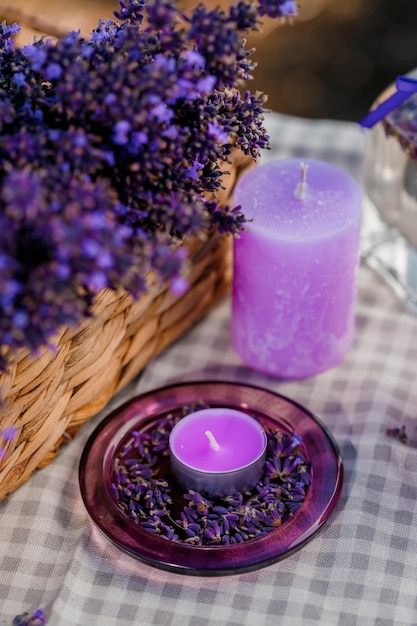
<point x="389" y="234"/>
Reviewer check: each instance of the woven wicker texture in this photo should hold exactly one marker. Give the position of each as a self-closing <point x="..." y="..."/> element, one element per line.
<point x="48" y="397"/>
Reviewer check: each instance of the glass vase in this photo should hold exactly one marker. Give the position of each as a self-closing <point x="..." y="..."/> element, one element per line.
<point x="389" y="232"/>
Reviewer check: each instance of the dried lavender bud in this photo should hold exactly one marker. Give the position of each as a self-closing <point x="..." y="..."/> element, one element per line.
<point x="278" y="8"/>
<point x="37" y="619"/>
<point x="398" y="433"/>
<point x="7" y="436"/>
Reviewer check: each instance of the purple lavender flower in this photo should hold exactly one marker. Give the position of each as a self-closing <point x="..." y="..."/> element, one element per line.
<point x="36" y="55"/>
<point x="53" y="71"/>
<point x="162" y="15"/>
<point x="6" y="37"/>
<point x="25" y="619"/>
<point x="121" y="132"/>
<point x="398" y="433"/>
<point x="8" y="434"/>
<point x="131" y="11"/>
<point x="110" y="146"/>
<point x="179" y="286"/>
<point x="278" y="8"/>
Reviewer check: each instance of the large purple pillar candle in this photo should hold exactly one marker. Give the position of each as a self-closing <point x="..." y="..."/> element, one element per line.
<point x="294" y="283"/>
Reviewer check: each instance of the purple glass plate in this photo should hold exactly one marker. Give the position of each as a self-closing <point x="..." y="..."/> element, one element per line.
<point x="273" y="410"/>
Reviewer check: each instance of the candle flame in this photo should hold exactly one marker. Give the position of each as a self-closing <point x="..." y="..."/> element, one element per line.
<point x="301" y="189"/>
<point x="213" y="443"/>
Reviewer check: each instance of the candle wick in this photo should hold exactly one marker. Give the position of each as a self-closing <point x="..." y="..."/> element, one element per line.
<point x="301" y="189"/>
<point x="213" y="443"/>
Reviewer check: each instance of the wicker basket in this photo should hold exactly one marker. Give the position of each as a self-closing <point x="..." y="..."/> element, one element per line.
<point x="49" y="397"/>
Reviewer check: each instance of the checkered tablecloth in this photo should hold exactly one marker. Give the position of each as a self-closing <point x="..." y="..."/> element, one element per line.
<point x="361" y="569"/>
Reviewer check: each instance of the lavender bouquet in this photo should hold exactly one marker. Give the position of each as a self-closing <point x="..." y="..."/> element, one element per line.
<point x="111" y="153"/>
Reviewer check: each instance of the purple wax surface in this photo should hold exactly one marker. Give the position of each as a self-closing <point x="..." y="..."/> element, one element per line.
<point x="294" y="283"/>
<point x="241" y="440"/>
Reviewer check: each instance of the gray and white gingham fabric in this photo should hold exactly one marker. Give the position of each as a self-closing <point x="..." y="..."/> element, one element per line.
<point x="361" y="569"/>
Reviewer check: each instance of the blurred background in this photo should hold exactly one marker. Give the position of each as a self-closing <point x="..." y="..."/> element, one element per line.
<point x="332" y="62"/>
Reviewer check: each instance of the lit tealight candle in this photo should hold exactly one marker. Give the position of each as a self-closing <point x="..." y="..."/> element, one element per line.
<point x="294" y="282"/>
<point x="218" y="451"/>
